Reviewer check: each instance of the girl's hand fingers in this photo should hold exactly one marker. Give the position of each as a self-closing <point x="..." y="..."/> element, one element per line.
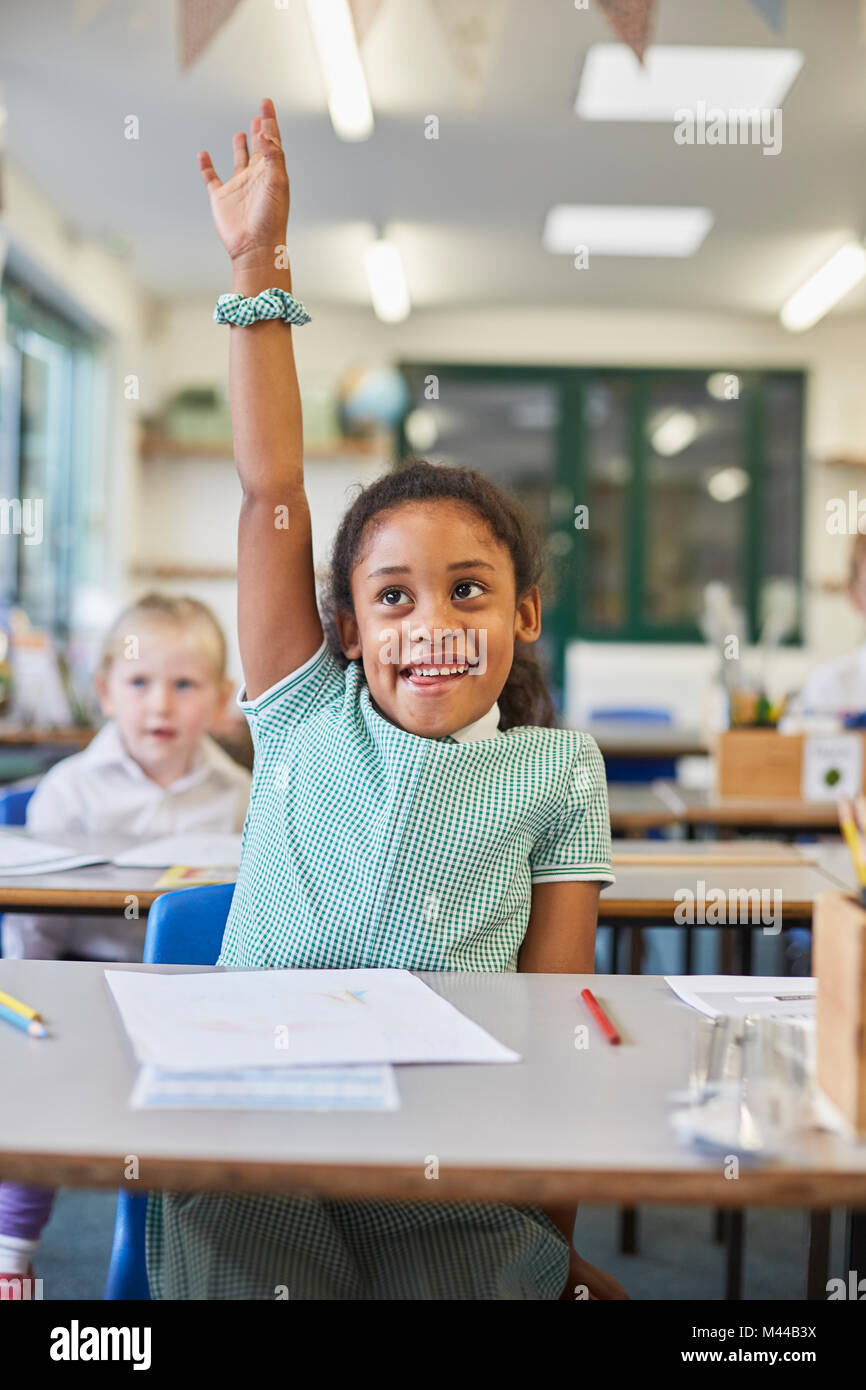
<point x="239" y="148"/>
<point x="209" y="173"/>
<point x="269" y="120"/>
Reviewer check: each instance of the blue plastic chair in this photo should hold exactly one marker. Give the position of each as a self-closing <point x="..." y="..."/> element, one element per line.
<point x="13" y="804"/>
<point x="183" y="928"/>
<point x="13" y="811"/>
<point x="644" y="769"/>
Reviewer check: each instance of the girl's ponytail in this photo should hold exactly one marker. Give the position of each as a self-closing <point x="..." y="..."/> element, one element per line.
<point x="525" y="698"/>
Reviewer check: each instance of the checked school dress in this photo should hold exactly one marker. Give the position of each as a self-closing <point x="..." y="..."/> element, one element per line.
<point x="366" y="845"/>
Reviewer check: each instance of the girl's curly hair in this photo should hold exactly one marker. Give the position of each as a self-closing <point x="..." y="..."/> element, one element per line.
<point x="525" y="698"/>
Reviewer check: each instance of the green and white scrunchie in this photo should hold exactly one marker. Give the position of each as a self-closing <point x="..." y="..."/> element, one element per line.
<point x="270" y="304"/>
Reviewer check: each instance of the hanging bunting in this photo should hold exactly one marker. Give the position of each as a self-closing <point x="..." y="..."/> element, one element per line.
<point x="198" y="21"/>
<point x="472" y="30"/>
<point x="631" y="21"/>
<point x="363" y="14"/>
<point x="773" y="12"/>
<point x="86" y="10"/>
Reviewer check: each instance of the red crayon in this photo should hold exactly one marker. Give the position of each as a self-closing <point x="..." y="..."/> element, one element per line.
<point x="600" y="1016"/>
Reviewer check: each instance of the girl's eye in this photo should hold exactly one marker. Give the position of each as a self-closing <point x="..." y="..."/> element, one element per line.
<point x="392" y="598"/>
<point x="140" y="681"/>
<point x="466" y="584"/>
<point x="184" y="684"/>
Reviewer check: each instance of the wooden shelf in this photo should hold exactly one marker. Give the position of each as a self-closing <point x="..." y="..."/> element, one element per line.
<point x="162" y="446"/>
<point x="169" y="570"/>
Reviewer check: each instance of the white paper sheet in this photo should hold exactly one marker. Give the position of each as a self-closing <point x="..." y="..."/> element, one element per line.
<point x="279" y="1018"/>
<point x="771" y="996"/>
<point x="199" y="851"/>
<point x="267" y="1088"/>
<point x="23" y="854"/>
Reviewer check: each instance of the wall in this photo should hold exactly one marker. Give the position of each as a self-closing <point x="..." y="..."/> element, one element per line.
<point x="833" y="354"/>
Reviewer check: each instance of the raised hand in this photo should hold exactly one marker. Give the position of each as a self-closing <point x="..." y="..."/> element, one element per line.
<point x="251" y="210"/>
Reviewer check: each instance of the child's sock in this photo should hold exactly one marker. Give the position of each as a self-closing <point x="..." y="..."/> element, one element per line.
<point x="16" y="1254"/>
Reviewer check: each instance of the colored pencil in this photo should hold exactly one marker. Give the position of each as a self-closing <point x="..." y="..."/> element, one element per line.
<point x="12" y="1003"/>
<point x="28" y="1025"/>
<point x="849" y="830"/>
<point x="600" y="1016"/>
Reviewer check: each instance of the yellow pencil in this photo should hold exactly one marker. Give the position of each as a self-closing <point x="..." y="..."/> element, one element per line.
<point x="852" y="839"/>
<point x="17" y="1007"/>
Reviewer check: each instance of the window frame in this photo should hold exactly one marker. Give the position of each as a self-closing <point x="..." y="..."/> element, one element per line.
<point x="568" y="619"/>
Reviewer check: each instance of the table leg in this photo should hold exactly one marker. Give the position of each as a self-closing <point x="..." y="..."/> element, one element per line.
<point x="614" y="949"/>
<point x="855" y="1242"/>
<point x="636" y="951"/>
<point x="735" y="1228"/>
<point x="818" y="1266"/>
<point x="628" y="1230"/>
<point x="745" y="934"/>
<point x="688" y="950"/>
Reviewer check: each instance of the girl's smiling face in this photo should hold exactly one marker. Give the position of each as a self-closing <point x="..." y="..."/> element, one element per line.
<point x="436" y="616"/>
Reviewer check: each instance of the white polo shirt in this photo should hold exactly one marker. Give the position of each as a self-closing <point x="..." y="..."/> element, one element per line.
<point x="839" y="687"/>
<point x="102" y="790"/>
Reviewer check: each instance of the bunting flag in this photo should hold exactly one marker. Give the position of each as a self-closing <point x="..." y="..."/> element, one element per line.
<point x="472" y="30"/>
<point x="198" y="21"/>
<point x="86" y="10"/>
<point x="773" y="12"/>
<point x="631" y="21"/>
<point x="363" y="14"/>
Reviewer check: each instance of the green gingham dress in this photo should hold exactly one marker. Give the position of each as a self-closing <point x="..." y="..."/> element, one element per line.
<point x="366" y="845"/>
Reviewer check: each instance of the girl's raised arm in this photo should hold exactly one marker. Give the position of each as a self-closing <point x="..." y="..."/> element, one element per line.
<point x="278" y="620"/>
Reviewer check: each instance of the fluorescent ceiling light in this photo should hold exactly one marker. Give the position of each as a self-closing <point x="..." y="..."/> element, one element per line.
<point x="340" y="61"/>
<point x="825" y="288"/>
<point x="625" y="231"/>
<point x="615" y="87"/>
<point x="727" y="484"/>
<point x="676" y="432"/>
<point x="388" y="289"/>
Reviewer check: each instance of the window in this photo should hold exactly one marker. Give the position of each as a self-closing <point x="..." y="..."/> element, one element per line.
<point x="645" y="484"/>
<point x="51" y="477"/>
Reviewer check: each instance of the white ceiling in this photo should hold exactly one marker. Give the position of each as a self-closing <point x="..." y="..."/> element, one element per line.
<point x="466" y="210"/>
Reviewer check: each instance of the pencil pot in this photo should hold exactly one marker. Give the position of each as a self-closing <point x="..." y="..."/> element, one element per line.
<point x="840" y="966"/>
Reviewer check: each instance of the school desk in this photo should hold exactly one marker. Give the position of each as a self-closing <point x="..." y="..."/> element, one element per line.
<point x="693" y="807"/>
<point x="650" y="884"/>
<point x="567" y="1123"/>
<point x="96" y="889"/>
<point x="636" y="809"/>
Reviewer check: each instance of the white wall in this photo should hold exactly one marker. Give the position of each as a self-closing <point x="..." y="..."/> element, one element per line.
<point x="187" y="348"/>
<point x="187" y="511"/>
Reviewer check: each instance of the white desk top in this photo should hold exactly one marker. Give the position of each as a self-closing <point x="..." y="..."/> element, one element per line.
<point x="563" y="1124"/>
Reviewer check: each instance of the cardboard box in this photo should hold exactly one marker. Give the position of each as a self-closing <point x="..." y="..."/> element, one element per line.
<point x="764" y="763"/>
<point x="839" y="933"/>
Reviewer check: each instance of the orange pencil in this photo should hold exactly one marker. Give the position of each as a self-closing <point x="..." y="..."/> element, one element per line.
<point x="600" y="1016"/>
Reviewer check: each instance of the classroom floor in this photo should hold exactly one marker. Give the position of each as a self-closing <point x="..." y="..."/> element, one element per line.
<point x="677" y="1253"/>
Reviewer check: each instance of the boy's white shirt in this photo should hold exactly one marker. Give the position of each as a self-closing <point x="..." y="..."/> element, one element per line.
<point x="103" y="790"/>
<point x="837" y="686"/>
